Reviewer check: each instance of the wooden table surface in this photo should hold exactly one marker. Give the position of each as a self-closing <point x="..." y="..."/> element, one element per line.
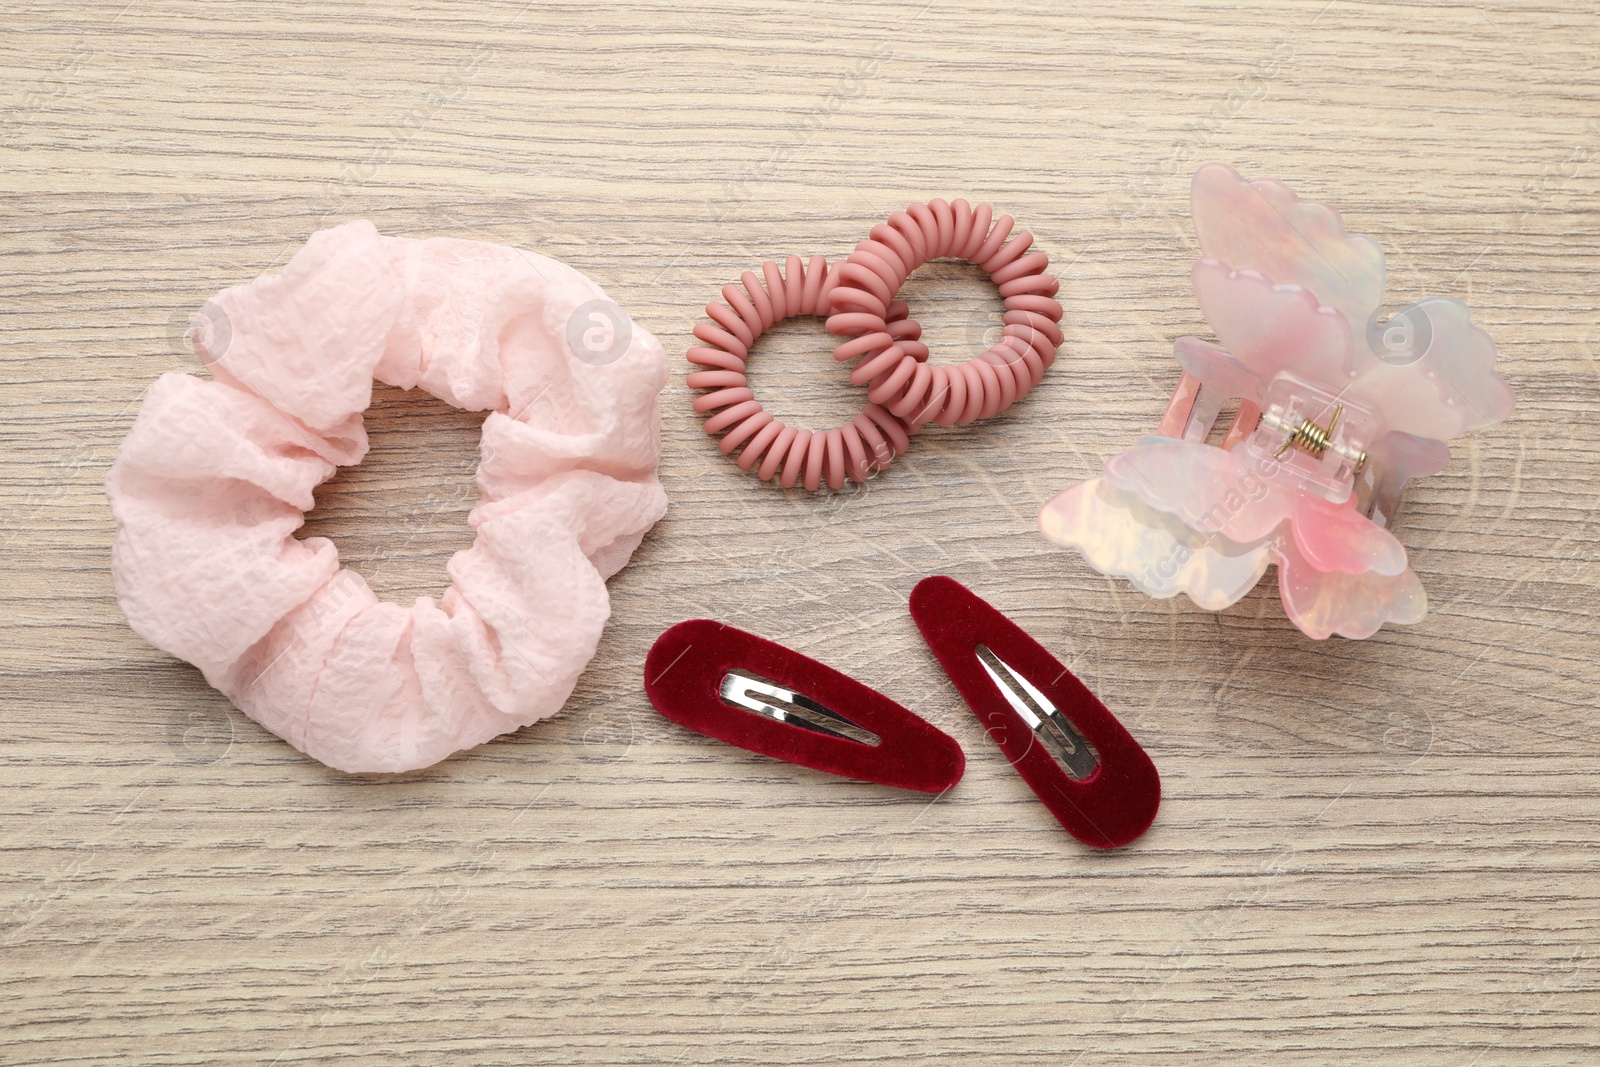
<point x="1369" y="852"/>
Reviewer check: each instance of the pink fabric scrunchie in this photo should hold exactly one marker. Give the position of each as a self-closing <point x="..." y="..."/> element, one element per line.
<point x="215" y="476"/>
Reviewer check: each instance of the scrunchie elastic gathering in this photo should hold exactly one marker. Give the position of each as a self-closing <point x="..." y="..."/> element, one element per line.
<point x="216" y="476"/>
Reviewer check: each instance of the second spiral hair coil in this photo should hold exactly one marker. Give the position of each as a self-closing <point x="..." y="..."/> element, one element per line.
<point x="895" y="369"/>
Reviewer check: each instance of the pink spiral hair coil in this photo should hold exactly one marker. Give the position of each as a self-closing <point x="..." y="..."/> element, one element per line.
<point x="893" y="363"/>
<point x="855" y="450"/>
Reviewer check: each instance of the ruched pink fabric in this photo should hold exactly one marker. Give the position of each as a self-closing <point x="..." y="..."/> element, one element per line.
<point x="216" y="476"/>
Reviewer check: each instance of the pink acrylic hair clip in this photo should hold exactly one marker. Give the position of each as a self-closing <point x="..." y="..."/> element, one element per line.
<point x="1338" y="409"/>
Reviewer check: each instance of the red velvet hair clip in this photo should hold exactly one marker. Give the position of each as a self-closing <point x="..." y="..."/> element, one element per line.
<point x="751" y="692"/>
<point x="1085" y="767"/>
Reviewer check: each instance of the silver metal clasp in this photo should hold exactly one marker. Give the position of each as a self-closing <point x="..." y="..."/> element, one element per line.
<point x="1063" y="740"/>
<point x="796" y="709"/>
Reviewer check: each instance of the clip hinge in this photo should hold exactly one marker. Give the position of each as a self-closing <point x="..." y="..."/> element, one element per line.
<point x="1313" y="439"/>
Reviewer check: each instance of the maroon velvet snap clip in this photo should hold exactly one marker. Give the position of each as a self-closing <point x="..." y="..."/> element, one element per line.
<point x="748" y="691"/>
<point x="1085" y="767"/>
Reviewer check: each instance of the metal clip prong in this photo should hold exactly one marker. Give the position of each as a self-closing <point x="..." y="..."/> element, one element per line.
<point x="796" y="709"/>
<point x="1053" y="728"/>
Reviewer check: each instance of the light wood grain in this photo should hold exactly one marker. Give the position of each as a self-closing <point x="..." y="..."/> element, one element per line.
<point x="1381" y="851"/>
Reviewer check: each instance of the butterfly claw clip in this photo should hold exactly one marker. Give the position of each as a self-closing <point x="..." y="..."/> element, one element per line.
<point x="1337" y="410"/>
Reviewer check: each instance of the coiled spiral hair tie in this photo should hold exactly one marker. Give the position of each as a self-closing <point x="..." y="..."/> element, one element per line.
<point x="893" y="364"/>
<point x="855" y="450"/>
